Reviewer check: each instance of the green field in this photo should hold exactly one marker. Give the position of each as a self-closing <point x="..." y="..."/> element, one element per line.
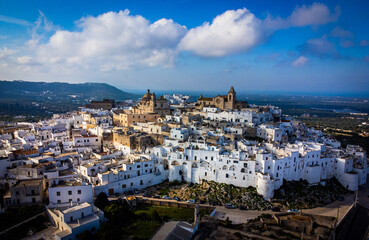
<point x="169" y="213"/>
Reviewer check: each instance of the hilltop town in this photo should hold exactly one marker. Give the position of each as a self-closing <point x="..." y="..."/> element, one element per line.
<point x="65" y="162"/>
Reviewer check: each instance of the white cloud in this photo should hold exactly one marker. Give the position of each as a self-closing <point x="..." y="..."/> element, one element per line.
<point x="5" y="53"/>
<point x="230" y="32"/>
<point x="114" y="41"/>
<point x="14" y="20"/>
<point x="24" y="60"/>
<point x="316" y="14"/>
<point x="299" y="62"/>
<point x="239" y="30"/>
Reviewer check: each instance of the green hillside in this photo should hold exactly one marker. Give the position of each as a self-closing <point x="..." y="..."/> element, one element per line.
<point x="36" y="100"/>
<point x="39" y="90"/>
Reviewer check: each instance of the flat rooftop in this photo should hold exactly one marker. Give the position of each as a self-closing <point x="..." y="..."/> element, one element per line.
<point x="76" y="208"/>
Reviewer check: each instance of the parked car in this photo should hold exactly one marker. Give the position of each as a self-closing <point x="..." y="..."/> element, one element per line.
<point x="177" y="198"/>
<point x="230" y="206"/>
<point x="292" y="210"/>
<point x="165" y="197"/>
<point x="146" y="195"/>
<point x="242" y="207"/>
<point x="156" y="196"/>
<point x="191" y="201"/>
<point x="137" y="191"/>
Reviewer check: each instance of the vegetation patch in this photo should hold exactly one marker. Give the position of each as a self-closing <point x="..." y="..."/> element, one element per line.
<point x="139" y="223"/>
<point x="219" y="194"/>
<point x="300" y="194"/>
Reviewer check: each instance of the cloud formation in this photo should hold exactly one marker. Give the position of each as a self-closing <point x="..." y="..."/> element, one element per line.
<point x="116" y="41"/>
<point x="301" y="61"/>
<point x="319" y="47"/>
<point x="13" y="20"/>
<point x="316" y="14"/>
<point x="230" y="32"/>
<point x="239" y="30"/>
<point x="344" y="36"/>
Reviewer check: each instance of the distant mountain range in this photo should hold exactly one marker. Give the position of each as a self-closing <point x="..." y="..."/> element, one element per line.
<point x="60" y="90"/>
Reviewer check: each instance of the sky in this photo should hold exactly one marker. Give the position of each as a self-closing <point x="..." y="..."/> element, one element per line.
<point x="284" y="46"/>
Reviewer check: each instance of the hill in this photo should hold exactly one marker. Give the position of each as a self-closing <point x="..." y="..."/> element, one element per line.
<point x="22" y="100"/>
<point x="37" y="90"/>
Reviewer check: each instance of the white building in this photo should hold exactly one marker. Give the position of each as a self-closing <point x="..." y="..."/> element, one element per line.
<point x="179" y="133"/>
<point x="263" y="167"/>
<point x="269" y="133"/>
<point x="74" y="220"/>
<point x="63" y="193"/>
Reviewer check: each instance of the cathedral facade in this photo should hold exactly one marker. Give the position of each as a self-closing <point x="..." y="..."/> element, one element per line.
<point x="223" y="102"/>
<point x="149" y="104"/>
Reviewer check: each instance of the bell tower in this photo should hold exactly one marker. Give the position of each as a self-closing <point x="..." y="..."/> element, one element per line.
<point x="231" y="98"/>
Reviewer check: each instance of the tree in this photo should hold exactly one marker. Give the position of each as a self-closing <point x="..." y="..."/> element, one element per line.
<point x="102" y="201"/>
<point x="119" y="214"/>
<point x="86" y="235"/>
<point x="155" y="216"/>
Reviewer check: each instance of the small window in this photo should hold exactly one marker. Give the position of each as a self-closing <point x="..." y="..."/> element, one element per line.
<point x="59" y="201"/>
<point x="69" y="192"/>
<point x="79" y="191"/>
<point x="57" y="193"/>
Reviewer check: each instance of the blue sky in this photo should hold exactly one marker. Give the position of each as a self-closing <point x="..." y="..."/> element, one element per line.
<point x="257" y="46"/>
